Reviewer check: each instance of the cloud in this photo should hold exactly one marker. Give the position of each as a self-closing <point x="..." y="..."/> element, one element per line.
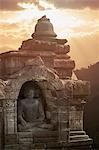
<point x="12" y="34"/>
<point x="13" y="4"/>
<point x="71" y="4"/>
<point x="75" y="4"/>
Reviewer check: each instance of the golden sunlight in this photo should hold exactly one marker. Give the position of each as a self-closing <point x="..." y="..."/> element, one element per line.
<point x="26" y="5"/>
<point x="79" y="27"/>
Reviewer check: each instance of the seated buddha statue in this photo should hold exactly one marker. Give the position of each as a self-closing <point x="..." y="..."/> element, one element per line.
<point x="31" y="115"/>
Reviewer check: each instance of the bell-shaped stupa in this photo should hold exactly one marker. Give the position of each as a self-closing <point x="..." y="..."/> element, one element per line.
<point x="44" y="29"/>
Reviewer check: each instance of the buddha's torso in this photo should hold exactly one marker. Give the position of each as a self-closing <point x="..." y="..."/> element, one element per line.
<point x="30" y="110"/>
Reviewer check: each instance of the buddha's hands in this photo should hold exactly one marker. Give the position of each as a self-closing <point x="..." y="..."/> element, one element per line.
<point x="22" y="121"/>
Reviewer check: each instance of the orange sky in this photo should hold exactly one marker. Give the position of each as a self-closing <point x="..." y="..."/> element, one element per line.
<point x="77" y="23"/>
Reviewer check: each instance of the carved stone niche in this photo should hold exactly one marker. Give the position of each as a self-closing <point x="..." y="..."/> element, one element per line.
<point x="34" y="113"/>
<point x="34" y="107"/>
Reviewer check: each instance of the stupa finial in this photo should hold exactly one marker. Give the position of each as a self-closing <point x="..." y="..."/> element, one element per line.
<point x="44" y="29"/>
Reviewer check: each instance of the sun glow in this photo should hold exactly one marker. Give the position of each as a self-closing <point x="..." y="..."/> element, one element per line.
<point x="79" y="27"/>
<point x="26" y="5"/>
<point x="66" y="21"/>
<point x="46" y="5"/>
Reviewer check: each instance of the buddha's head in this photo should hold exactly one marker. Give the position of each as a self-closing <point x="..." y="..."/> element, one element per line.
<point x="30" y="93"/>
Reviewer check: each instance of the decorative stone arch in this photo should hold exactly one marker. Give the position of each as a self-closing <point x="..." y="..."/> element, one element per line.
<point x="33" y="71"/>
<point x="47" y="80"/>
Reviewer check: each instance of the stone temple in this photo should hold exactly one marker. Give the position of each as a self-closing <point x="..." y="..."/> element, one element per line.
<point x="41" y="104"/>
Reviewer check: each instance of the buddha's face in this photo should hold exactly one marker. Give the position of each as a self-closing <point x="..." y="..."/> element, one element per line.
<point x="29" y="93"/>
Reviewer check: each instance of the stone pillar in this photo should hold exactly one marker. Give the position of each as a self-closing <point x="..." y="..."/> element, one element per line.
<point x="63" y="116"/>
<point x="80" y="93"/>
<point x="63" y="125"/>
<point x="10" y="122"/>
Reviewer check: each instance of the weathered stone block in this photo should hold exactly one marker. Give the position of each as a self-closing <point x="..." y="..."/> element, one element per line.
<point x="81" y="88"/>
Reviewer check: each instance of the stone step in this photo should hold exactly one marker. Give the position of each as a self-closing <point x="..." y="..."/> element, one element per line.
<point x="77" y="133"/>
<point x="79" y="137"/>
<point x="76" y="136"/>
<point x="88" y="140"/>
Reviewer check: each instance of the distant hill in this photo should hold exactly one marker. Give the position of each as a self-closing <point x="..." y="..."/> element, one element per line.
<point x="91" y="113"/>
